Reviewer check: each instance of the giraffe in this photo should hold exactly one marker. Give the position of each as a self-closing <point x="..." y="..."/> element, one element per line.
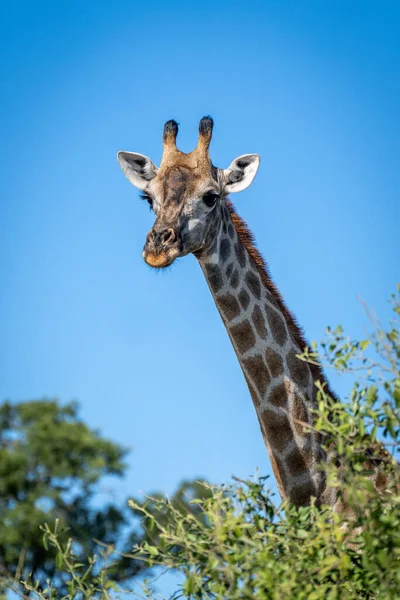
<point x="189" y="197"/>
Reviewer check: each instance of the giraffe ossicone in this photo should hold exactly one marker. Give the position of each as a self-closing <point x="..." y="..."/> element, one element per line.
<point x="188" y="195"/>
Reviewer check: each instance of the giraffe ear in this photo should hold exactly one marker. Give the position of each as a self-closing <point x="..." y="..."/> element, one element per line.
<point x="137" y="168"/>
<point x="240" y="173"/>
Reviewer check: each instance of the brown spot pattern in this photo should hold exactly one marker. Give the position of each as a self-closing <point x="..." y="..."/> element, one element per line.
<point x="240" y="253"/>
<point x="258" y="373"/>
<point x="214" y="277"/>
<point x="271" y="298"/>
<point x="229" y="306"/>
<point x="244" y="299"/>
<point x="253" y="283"/>
<point x="243" y="336"/>
<point x="247" y="240"/>
<point x="299" y="414"/>
<point x="301" y="494"/>
<point x="224" y="249"/>
<point x="276" y="325"/>
<point x="235" y="279"/>
<point x="295" y="462"/>
<point x="278" y="396"/>
<point x="299" y="370"/>
<point x="274" y="362"/>
<point x="231" y="231"/>
<point x="277" y="428"/>
<point x="259" y="322"/>
<point x="229" y="269"/>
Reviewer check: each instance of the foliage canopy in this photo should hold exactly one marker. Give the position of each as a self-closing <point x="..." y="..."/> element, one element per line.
<point x="52" y="466"/>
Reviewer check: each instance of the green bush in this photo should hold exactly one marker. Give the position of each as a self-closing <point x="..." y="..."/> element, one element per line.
<point x="240" y="544"/>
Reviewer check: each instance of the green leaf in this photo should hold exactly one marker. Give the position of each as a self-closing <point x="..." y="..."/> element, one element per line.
<point x="302" y="534"/>
<point x="364" y="344"/>
<point x="152" y="550"/>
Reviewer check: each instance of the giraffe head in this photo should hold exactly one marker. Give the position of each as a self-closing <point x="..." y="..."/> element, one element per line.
<point x="186" y="193"/>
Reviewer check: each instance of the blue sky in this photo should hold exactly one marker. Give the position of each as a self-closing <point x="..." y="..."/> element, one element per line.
<point x="313" y="87"/>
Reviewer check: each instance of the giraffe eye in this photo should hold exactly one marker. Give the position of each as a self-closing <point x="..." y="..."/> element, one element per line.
<point x="210" y="199"/>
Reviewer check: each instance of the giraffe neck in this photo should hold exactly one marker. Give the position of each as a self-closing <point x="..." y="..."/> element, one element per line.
<point x="266" y="340"/>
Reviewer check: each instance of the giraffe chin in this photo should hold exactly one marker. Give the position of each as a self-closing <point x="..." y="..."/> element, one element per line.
<point x="158" y="260"/>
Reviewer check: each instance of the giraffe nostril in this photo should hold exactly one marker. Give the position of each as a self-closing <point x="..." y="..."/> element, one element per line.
<point x="151" y="237"/>
<point x="168" y="236"/>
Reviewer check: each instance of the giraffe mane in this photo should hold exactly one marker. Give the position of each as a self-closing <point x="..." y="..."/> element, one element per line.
<point x="247" y="238"/>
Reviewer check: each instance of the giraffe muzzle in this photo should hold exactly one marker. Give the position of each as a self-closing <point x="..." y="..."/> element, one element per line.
<point x="161" y="248"/>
